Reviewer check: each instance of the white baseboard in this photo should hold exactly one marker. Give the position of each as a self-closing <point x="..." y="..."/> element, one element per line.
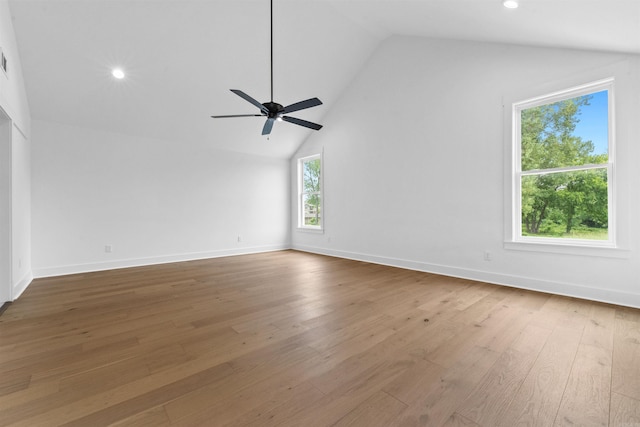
<point x="21" y="285"/>
<point x="521" y="282"/>
<point x="139" y="262"/>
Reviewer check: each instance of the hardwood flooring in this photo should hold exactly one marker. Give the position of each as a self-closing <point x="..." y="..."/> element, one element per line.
<point x="295" y="339"/>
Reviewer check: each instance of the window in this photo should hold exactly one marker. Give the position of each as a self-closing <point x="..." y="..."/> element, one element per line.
<point x="310" y="191"/>
<point x="563" y="167"/>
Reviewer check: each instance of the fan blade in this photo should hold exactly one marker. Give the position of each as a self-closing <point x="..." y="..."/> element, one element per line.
<point x="301" y="122"/>
<point x="246" y="97"/>
<point x="313" y="102"/>
<point x="237" y="115"/>
<point x="268" y="125"/>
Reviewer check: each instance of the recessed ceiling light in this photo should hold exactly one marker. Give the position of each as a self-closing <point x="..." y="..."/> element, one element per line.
<point x="118" y="73"/>
<point x="510" y="4"/>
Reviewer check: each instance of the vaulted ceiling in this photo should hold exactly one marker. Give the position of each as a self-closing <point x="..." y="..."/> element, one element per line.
<point x="182" y="56"/>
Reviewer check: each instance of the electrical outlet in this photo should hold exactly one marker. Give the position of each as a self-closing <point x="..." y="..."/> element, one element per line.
<point x="487" y="256"/>
<point x="239" y="238"/>
<point x="108" y="248"/>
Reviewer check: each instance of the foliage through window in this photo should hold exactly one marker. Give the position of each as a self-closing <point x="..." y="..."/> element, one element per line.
<point x="310" y="202"/>
<point x="564" y="164"/>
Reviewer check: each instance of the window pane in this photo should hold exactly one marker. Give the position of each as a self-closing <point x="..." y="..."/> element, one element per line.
<point x="571" y="205"/>
<point x="312" y="212"/>
<point x="571" y="132"/>
<point x="311" y="176"/>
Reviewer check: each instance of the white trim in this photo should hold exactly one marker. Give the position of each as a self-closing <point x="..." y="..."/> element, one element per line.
<point x="515" y="200"/>
<point x="568" y="248"/>
<point x="4" y="62"/>
<point x="19" y="129"/>
<point x="585" y="167"/>
<point x="521" y="282"/>
<point x="300" y="203"/>
<point x="164" y="259"/>
<point x="6" y="269"/>
<point x="572" y="92"/>
<point x="21" y="286"/>
<point x="311" y="230"/>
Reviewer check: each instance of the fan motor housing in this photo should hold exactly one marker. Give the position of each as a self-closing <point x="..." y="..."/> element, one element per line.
<point x="274" y="109"/>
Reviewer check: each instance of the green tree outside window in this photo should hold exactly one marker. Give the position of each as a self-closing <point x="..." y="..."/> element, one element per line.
<point x="311" y="193"/>
<point x="564" y="177"/>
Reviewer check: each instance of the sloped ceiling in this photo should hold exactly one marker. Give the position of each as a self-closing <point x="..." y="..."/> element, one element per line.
<point x="182" y="56"/>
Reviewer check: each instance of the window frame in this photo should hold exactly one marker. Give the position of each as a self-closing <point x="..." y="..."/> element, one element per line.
<point x="302" y="193"/>
<point x="517" y="173"/>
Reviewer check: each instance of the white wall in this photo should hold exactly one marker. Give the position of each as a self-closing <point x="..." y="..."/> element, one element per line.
<point x="13" y="101"/>
<point x="152" y="200"/>
<point x="13" y="98"/>
<point x="415" y="165"/>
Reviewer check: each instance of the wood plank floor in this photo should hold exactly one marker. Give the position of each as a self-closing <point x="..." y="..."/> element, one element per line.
<point x="296" y="339"/>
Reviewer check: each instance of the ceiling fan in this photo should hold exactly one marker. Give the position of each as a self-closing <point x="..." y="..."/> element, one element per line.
<point x="272" y="110"/>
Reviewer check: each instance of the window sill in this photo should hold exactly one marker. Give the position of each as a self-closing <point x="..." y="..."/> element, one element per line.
<point x="569" y="249"/>
<point x="313" y="230"/>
